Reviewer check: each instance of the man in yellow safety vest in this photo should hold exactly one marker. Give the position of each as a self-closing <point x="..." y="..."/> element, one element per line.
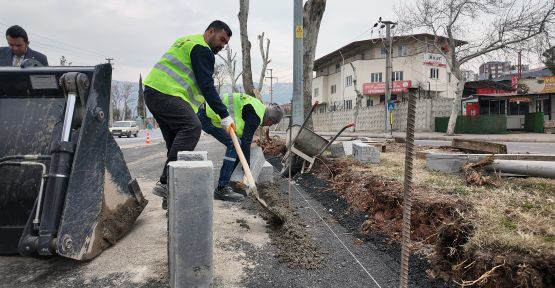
<point x="248" y="114"/>
<point x="178" y="84"/>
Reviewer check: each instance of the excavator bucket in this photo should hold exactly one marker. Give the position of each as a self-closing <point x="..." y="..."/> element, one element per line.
<point x="65" y="188"/>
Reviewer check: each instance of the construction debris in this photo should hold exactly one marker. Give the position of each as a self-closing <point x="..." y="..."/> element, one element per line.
<point x="474" y="173"/>
<point x="475" y="146"/>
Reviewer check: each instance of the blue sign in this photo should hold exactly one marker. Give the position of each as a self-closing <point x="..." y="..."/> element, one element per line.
<point x="390" y="106"/>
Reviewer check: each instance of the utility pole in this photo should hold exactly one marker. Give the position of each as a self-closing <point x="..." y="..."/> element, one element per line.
<point x="388" y="66"/>
<point x="271" y="85"/>
<point x="297" y="104"/>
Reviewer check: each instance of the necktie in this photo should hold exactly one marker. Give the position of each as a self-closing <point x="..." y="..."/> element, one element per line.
<point x="17" y="61"/>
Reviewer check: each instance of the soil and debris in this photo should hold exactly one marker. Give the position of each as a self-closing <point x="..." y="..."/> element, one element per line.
<point x="474" y="173"/>
<point x="443" y="221"/>
<point x="273" y="146"/>
<point x="295" y="246"/>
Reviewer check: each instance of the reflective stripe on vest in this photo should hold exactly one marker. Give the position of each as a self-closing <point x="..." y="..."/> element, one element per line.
<point x="239" y="99"/>
<point x="231" y="106"/>
<point x="173" y="74"/>
<point x="179" y="80"/>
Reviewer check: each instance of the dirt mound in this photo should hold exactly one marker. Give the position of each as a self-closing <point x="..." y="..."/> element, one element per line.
<point x="440" y="221"/>
<point x="274" y="146"/>
<point x="294" y="246"/>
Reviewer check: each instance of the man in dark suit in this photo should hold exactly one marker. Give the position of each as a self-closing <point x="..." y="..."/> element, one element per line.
<point x="18" y="49"/>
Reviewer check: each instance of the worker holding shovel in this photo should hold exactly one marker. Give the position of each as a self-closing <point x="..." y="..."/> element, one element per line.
<point x="248" y="114"/>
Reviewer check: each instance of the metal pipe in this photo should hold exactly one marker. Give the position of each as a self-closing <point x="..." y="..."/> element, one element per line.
<point x="25" y="157"/>
<point x="68" y="116"/>
<point x="297" y="103"/>
<point x="545" y="169"/>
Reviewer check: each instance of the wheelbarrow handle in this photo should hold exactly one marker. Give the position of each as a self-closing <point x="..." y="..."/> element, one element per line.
<point x="335" y="137"/>
<point x="304" y="123"/>
<point x="309" y="114"/>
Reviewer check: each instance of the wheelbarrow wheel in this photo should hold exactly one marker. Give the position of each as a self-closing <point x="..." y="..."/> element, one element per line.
<point x="296" y="168"/>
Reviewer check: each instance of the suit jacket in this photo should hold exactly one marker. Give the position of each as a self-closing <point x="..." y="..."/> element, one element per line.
<point x="6" y="56"/>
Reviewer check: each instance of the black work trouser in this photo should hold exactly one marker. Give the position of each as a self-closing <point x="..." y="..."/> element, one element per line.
<point x="178" y="121"/>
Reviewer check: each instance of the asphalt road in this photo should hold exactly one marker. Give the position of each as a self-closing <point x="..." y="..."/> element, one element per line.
<point x="512" y="147"/>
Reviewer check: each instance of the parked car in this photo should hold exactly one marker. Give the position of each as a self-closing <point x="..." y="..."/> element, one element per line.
<point x="124" y="128"/>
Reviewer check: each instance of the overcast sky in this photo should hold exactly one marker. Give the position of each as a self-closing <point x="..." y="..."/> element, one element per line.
<point x="136" y="33"/>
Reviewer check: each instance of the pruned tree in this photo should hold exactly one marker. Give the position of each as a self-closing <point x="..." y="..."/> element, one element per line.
<point x="506" y="25"/>
<point x="219" y="75"/>
<point x="548" y="59"/>
<point x="358" y="102"/>
<point x="312" y="17"/>
<point x="230" y="64"/>
<point x="245" y="46"/>
<point x="265" y="60"/>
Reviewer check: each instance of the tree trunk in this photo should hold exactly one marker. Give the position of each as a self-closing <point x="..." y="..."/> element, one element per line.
<point x="312" y="17"/>
<point x="455" y="109"/>
<point x="245" y="46"/>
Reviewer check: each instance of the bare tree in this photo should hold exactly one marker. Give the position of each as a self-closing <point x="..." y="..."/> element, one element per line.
<point x="116" y="100"/>
<point x="230" y="64"/>
<point x="219" y="75"/>
<point x="265" y="60"/>
<point x="245" y="46"/>
<point x="312" y="17"/>
<point x="507" y="25"/>
<point x="548" y="58"/>
<point x="121" y="96"/>
<point x="126" y="89"/>
<point x="358" y="103"/>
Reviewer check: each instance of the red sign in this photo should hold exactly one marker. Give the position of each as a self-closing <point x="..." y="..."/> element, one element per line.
<point x="514" y="81"/>
<point x="379" y="87"/>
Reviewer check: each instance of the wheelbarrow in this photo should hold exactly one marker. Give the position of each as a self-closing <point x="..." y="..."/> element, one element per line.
<point x="308" y="146"/>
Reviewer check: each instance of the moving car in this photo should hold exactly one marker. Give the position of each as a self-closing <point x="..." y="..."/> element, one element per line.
<point x="125" y="128"/>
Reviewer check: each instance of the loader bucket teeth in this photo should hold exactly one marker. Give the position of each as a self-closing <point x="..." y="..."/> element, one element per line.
<point x="65" y="188"/>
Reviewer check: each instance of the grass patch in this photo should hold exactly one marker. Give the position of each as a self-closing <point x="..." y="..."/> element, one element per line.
<point x="517" y="215"/>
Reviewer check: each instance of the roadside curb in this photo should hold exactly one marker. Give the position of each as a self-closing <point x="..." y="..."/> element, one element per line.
<point x="439" y="137"/>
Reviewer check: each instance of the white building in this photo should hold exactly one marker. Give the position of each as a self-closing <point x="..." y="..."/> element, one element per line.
<point x="417" y="68"/>
<point x="469" y="75"/>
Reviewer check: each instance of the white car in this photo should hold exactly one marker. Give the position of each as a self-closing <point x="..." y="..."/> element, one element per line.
<point x="124" y="128"/>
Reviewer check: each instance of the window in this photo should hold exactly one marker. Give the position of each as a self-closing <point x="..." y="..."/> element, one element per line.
<point x="337" y="68"/>
<point x="349" y="104"/>
<point x="349" y="81"/>
<point x="383" y="52"/>
<point x="333" y="89"/>
<point x="376" y="77"/>
<point x="402" y="50"/>
<point x="449" y="76"/>
<point x="518" y="108"/>
<point x="434" y="73"/>
<point x="382" y="98"/>
<point x="369" y="103"/>
<point x="316" y="92"/>
<point x="396" y="75"/>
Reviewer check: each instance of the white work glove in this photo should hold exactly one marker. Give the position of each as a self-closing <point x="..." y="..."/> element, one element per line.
<point x="228" y="122"/>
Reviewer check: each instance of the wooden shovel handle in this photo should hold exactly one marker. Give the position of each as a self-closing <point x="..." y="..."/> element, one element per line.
<point x="241" y="156"/>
